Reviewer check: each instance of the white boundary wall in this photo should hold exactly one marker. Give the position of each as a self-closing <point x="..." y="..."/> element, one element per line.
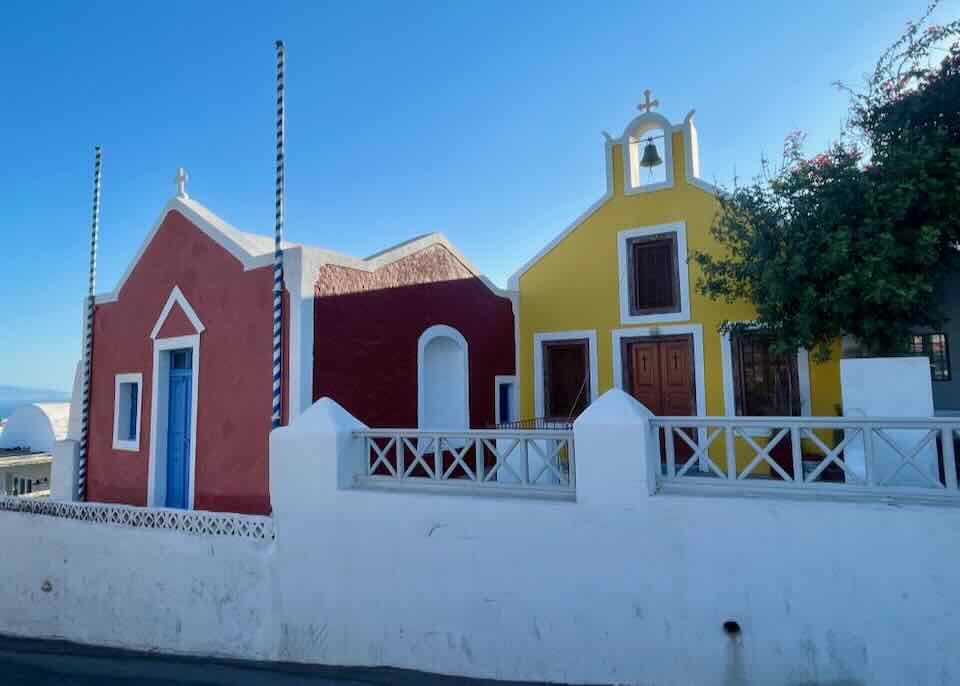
<point x="619" y="587"/>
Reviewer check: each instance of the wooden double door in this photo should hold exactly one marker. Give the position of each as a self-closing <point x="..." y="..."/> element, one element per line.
<point x="659" y="372"/>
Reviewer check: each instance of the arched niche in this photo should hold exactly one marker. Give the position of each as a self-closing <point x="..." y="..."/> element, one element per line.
<point x="647" y="128"/>
<point x="443" y="380"/>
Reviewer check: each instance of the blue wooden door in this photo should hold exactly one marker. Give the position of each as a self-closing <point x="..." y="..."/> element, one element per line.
<point x="178" y="428"/>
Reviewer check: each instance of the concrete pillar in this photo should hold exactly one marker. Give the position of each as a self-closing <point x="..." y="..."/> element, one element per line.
<point x="617" y="452"/>
<point x="63" y="471"/>
<point x="314" y="456"/>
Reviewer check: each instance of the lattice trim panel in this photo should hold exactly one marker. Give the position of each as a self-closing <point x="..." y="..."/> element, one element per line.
<point x="195" y="522"/>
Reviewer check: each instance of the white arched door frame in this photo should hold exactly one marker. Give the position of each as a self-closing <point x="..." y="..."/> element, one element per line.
<point x="429" y="335"/>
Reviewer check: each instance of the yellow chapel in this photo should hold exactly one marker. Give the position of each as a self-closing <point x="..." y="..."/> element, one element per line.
<point x="612" y="302"/>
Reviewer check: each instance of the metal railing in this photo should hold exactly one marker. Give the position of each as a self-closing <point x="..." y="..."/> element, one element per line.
<point x="883" y="456"/>
<point x="510" y="462"/>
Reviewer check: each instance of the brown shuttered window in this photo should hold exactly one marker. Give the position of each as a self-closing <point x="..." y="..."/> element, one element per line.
<point x="654" y="279"/>
<point x="766" y="385"/>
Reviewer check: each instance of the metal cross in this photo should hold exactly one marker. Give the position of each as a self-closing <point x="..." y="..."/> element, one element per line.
<point x="647" y="103"/>
<point x="181" y="180"/>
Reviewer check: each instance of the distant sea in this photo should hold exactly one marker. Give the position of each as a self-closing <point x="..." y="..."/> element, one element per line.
<point x="12" y="397"/>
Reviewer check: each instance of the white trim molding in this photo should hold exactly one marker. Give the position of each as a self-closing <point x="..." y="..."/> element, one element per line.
<point x="679" y="228"/>
<point x="539" y="339"/>
<point x="692" y="156"/>
<point x="156" y="474"/>
<point x="729" y="399"/>
<point x="431" y="333"/>
<point x="699" y="370"/>
<point x="176" y="296"/>
<point x="131" y="444"/>
<point x="498" y="381"/>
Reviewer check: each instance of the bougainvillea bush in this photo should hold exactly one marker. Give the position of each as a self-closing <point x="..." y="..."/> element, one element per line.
<point x="857" y="239"/>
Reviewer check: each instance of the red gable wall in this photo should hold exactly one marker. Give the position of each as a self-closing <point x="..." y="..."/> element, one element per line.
<point x="176" y="324"/>
<point x="234" y="388"/>
<point x="367" y="326"/>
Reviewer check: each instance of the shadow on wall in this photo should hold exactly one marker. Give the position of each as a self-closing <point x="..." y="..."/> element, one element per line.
<point x="365" y="347"/>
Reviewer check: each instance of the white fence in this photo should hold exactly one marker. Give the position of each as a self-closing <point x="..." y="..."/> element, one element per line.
<point x="483" y="461"/>
<point x="617" y="586"/>
<point x="840" y="455"/>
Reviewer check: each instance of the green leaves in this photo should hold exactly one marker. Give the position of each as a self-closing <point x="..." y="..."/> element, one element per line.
<point x="835" y="245"/>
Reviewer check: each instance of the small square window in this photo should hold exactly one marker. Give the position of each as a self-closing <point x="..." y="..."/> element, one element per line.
<point x="933" y="346"/>
<point x="126" y="418"/>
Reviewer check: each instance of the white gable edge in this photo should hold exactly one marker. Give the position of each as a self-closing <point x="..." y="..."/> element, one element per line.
<point x="208" y="222"/>
<point x="177" y="296"/>
<point x="247" y="259"/>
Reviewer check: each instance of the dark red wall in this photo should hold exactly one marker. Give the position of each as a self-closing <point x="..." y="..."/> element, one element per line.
<point x="234" y="390"/>
<point x="367" y="326"/>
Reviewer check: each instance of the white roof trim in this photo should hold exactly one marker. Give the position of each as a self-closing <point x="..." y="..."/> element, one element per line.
<point x="176" y="296"/>
<point x="319" y="257"/>
<point x="246" y="247"/>
<point x="255" y="250"/>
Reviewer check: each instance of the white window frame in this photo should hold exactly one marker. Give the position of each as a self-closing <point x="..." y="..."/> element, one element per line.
<point x="501" y="380"/>
<point x="679" y="229"/>
<point x="539" y="339"/>
<point x="729" y="390"/>
<point x="132" y="445"/>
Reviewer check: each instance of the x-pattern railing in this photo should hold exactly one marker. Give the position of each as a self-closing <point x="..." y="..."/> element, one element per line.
<point x="541" y="461"/>
<point x="878" y="454"/>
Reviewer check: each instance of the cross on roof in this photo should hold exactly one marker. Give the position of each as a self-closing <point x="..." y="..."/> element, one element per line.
<point x="647" y="103"/>
<point x="181" y="180"/>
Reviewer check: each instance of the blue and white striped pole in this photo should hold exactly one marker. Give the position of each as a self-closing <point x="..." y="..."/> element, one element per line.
<point x="88" y="335"/>
<point x="278" y="249"/>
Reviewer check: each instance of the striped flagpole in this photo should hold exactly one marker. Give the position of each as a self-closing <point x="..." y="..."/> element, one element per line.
<point x="278" y="249"/>
<point x="88" y="334"/>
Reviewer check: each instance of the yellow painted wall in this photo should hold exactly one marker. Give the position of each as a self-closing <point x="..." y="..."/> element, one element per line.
<point x="575" y="285"/>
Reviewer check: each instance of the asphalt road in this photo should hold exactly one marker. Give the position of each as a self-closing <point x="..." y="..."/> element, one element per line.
<point x="55" y="663"/>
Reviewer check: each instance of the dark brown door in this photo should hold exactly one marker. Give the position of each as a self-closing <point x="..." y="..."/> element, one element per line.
<point x="659" y="373"/>
<point x="566" y="366"/>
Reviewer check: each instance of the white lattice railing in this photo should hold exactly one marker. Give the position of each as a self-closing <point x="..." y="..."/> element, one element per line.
<point x="506" y="462"/>
<point x="839" y="454"/>
<point x="198" y="522"/>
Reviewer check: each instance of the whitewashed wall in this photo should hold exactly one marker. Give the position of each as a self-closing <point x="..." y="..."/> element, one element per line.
<point x="36" y="427"/>
<point x="619" y="587"/>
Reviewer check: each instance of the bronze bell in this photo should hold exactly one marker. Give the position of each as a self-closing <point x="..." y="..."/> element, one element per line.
<point x="651" y="158"/>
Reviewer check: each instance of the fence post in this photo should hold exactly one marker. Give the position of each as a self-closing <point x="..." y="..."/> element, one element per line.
<point x="796" y="451"/>
<point x="313" y="456"/>
<point x="949" y="457"/>
<point x="617" y="454"/>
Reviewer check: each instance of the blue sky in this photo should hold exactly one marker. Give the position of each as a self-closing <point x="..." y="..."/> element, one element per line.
<point x="478" y="119"/>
